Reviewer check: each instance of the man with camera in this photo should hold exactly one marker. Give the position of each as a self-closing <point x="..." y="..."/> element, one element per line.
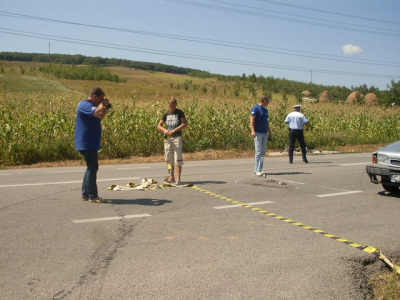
<point x="89" y="114"/>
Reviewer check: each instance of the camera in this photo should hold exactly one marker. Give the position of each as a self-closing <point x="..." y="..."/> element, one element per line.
<point x="109" y="104"/>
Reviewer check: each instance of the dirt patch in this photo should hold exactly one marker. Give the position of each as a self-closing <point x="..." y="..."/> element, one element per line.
<point x="204" y="155"/>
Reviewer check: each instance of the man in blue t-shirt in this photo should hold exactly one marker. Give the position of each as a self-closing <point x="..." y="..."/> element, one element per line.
<point x="260" y="132"/>
<point x="89" y="114"/>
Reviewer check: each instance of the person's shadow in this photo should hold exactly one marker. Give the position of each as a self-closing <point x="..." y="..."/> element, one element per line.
<point x="205" y="182"/>
<point x="140" y="201"/>
<point x="288" y="173"/>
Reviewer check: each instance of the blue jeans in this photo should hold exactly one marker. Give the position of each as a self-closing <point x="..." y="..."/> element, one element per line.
<point x="260" y="145"/>
<point x="89" y="185"/>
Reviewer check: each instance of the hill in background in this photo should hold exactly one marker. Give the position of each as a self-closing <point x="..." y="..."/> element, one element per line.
<point x="232" y="86"/>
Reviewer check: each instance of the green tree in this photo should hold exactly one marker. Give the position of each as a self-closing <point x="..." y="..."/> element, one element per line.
<point x="392" y="95"/>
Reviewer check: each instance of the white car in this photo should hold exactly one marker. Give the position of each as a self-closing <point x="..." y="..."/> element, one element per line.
<point x="385" y="167"/>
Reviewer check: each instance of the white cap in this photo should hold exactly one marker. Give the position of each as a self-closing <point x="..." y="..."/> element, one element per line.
<point x="297" y="106"/>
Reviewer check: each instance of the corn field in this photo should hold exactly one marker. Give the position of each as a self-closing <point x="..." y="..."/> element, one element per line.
<point x="39" y="127"/>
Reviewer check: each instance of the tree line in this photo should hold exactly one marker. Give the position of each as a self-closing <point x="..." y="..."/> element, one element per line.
<point x="95" y="61"/>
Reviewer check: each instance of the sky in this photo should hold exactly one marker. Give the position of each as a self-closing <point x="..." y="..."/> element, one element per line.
<point x="330" y="42"/>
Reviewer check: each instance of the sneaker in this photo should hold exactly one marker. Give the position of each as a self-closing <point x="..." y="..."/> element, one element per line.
<point x="97" y="200"/>
<point x="85" y="198"/>
<point x="259" y="173"/>
<point x="178" y="182"/>
<point x="290" y="161"/>
<point x="305" y="160"/>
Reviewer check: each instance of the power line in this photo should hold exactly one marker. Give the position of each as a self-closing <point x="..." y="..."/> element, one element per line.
<point x="189" y="56"/>
<point x="372" y="30"/>
<point x="302" y="16"/>
<point x="363" y="18"/>
<point x="230" y="44"/>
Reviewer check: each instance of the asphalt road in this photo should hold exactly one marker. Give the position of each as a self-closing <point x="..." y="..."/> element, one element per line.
<point x="195" y="243"/>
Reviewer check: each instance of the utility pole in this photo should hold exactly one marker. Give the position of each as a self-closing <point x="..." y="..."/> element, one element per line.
<point x="49" y="54"/>
<point x="311" y="76"/>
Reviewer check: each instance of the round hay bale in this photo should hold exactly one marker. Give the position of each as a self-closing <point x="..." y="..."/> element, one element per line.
<point x="354" y="98"/>
<point x="306" y="93"/>
<point x="371" y="99"/>
<point x="324" y="97"/>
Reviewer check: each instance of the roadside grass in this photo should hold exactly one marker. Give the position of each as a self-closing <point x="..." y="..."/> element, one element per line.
<point x="386" y="285"/>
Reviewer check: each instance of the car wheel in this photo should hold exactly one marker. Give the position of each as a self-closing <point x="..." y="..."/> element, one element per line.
<point x="390" y="188"/>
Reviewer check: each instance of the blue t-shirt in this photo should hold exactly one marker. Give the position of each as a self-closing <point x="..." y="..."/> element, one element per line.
<point x="261" y="120"/>
<point x="87" y="127"/>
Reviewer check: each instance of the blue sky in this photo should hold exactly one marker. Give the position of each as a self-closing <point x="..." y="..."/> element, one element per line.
<point x="329" y="42"/>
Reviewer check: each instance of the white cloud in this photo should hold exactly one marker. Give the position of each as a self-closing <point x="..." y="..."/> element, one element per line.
<point x="351" y="49"/>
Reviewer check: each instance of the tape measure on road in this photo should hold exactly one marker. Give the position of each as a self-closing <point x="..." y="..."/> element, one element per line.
<point x="367" y="249"/>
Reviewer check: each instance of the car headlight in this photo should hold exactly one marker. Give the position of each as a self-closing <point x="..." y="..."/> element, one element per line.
<point x="383" y="159"/>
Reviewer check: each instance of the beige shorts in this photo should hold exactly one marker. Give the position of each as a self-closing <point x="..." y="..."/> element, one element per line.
<point x="173" y="151"/>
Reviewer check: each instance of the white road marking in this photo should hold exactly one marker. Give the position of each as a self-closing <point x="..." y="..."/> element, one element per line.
<point x="137" y="168"/>
<point x="66" y="171"/>
<point x="244" y="162"/>
<point x="62" y="182"/>
<point x="238" y="205"/>
<point x="195" y="165"/>
<point x="339" y="194"/>
<point x="295" y="182"/>
<point x="5" y="174"/>
<point x="355" y="164"/>
<point x="110" y="218"/>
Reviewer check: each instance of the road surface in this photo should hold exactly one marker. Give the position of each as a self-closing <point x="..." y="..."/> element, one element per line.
<point x="232" y="236"/>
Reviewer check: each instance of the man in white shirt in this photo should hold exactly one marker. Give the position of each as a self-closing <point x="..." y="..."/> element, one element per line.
<point x="296" y="121"/>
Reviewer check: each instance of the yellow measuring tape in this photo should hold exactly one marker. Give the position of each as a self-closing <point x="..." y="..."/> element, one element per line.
<point x="368" y="249"/>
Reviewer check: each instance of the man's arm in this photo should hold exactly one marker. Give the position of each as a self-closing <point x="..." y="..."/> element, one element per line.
<point x="101" y="110"/>
<point x="160" y="127"/>
<point x="287" y="120"/>
<point x="180" y="127"/>
<point x="253" y="130"/>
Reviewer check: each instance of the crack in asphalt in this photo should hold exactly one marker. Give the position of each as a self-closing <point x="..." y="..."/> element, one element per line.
<point x="101" y="259"/>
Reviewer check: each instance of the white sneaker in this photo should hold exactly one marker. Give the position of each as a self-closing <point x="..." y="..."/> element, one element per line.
<point x="259" y="173"/>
